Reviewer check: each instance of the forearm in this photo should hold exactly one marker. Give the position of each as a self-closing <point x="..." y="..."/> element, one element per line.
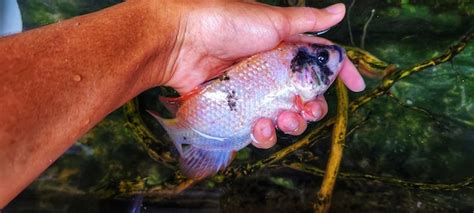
<point x="57" y="82"/>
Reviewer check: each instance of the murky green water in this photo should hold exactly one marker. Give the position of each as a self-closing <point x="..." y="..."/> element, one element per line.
<point x="423" y="133"/>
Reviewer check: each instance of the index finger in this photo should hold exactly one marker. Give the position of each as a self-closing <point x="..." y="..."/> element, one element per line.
<point x="351" y="77"/>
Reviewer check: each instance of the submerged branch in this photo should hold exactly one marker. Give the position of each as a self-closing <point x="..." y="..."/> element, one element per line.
<point x="368" y="64"/>
<point x="422" y="110"/>
<point x="465" y="184"/>
<point x="339" y="131"/>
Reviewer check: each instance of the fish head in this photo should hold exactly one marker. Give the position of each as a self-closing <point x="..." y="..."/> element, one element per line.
<point x="314" y="67"/>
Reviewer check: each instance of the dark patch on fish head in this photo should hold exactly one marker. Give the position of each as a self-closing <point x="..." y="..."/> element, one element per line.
<point x="316" y="66"/>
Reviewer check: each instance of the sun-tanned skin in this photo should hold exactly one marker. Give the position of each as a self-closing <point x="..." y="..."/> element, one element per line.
<point x="58" y="81"/>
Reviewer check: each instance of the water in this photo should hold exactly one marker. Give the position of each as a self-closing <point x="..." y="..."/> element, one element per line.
<point x="10" y="17"/>
<point x="423" y="134"/>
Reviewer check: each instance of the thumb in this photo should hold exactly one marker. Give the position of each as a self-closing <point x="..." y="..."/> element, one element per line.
<point x="305" y="19"/>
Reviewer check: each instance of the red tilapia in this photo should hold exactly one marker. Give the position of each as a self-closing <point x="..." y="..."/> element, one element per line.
<point x="217" y="120"/>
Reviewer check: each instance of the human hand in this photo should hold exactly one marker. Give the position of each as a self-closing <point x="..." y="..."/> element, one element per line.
<point x="214" y="35"/>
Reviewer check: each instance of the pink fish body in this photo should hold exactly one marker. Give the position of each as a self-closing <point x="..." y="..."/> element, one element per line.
<point x="216" y="121"/>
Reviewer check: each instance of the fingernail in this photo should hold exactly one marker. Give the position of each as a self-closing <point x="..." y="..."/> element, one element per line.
<point x="361" y="87"/>
<point x="266" y="132"/>
<point x="335" y="8"/>
<point x="316" y="111"/>
<point x="255" y="141"/>
<point x="291" y="125"/>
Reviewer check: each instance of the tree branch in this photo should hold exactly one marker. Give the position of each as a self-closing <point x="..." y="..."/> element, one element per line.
<point x="339" y="131"/>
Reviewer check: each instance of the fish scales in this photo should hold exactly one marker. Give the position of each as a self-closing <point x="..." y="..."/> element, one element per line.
<point x="247" y="93"/>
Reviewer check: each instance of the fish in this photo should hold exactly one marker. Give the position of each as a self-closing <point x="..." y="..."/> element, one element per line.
<point x="214" y="121"/>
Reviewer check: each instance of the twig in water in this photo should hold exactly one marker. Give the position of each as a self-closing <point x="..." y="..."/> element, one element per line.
<point x="349" y="22"/>
<point x="364" y="32"/>
<point x="466" y="184"/>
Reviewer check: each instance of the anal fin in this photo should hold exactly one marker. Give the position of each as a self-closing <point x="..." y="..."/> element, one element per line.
<point x="197" y="163"/>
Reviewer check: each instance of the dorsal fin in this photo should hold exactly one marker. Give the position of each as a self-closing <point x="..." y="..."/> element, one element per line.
<point x="172" y="104"/>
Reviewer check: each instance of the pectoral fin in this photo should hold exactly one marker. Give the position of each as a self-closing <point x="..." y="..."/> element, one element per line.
<point x="197" y="163"/>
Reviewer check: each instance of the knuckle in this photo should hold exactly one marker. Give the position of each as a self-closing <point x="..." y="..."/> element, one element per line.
<point x="281" y="24"/>
<point x="309" y="16"/>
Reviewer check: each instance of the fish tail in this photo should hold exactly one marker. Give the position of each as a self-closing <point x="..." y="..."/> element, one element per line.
<point x="197" y="163"/>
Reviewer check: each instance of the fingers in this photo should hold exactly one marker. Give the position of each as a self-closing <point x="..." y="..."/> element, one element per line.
<point x="351" y="77"/>
<point x="305" y="19"/>
<point x="263" y="133"/>
<point x="315" y="110"/>
<point x="291" y="123"/>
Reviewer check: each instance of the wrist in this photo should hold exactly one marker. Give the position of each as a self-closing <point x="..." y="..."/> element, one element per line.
<point x="160" y="29"/>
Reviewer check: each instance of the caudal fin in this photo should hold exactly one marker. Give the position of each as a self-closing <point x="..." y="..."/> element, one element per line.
<point x="197" y="163"/>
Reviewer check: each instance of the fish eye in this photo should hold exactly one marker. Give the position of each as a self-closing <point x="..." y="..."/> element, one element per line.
<point x="322" y="57"/>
